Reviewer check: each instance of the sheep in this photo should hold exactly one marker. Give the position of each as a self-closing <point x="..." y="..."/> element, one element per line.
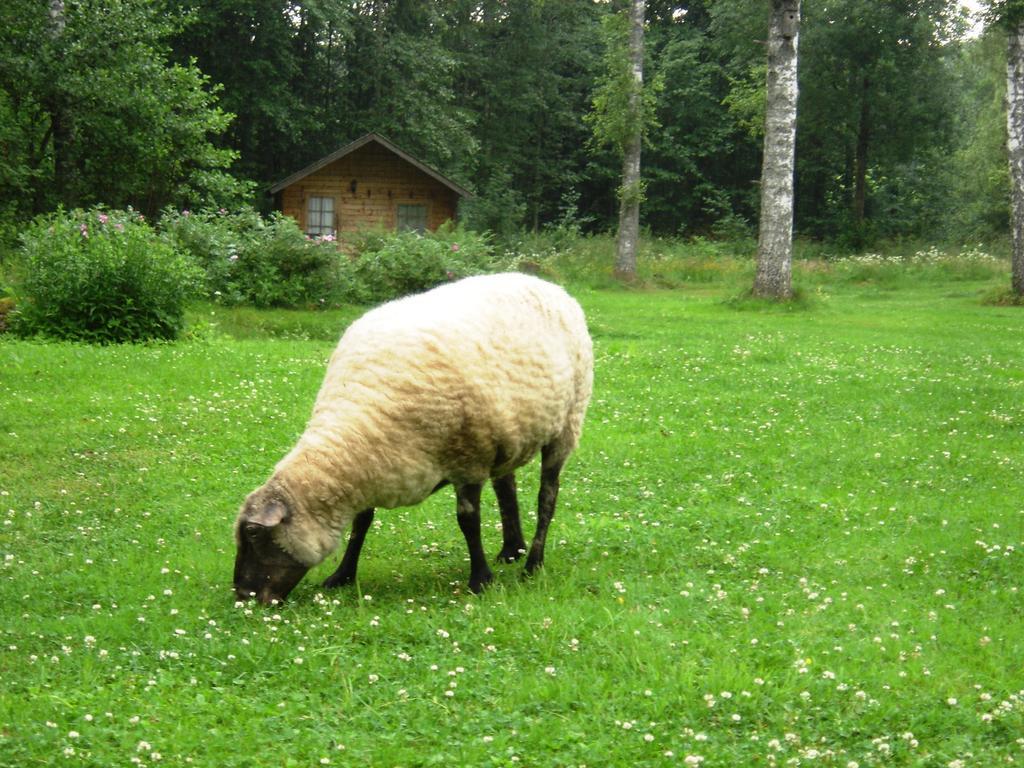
<point x="459" y="385"/>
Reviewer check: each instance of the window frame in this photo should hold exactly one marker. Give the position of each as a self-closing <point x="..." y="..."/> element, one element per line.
<point x="315" y="226"/>
<point x="405" y="226"/>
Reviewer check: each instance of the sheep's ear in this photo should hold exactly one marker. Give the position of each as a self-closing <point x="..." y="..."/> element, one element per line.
<point x="266" y="515"/>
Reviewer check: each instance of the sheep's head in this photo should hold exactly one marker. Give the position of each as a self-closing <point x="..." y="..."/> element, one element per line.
<point x="264" y="570"/>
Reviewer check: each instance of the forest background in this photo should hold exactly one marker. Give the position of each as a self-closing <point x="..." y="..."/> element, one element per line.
<point x="155" y="103"/>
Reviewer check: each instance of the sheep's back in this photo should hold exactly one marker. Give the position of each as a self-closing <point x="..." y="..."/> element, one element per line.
<point x="462" y="383"/>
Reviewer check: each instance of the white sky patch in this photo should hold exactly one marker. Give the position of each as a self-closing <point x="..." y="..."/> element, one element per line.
<point x="973" y="7"/>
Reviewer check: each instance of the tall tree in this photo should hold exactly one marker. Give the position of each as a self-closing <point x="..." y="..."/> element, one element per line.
<point x="775" y="236"/>
<point x="632" y="189"/>
<point x="1013" y="19"/>
<point x="622" y="110"/>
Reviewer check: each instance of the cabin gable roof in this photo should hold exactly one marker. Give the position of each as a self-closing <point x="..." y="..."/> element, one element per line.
<point x="361" y="142"/>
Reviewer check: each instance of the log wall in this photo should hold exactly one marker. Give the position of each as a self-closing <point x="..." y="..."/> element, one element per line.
<point x="368" y="185"/>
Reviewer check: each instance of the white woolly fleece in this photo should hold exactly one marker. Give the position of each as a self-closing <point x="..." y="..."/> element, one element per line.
<point x="462" y="383"/>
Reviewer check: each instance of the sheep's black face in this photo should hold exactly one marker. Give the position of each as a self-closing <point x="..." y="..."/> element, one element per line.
<point x="263" y="570"/>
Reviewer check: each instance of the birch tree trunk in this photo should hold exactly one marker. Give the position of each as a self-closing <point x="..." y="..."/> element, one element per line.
<point x="1015" y="145"/>
<point x="775" y="235"/>
<point x="631" y="191"/>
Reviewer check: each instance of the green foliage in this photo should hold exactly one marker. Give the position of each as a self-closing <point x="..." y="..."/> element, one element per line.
<point x="525" y="75"/>
<point x="746" y="100"/>
<point x="700" y="164"/>
<point x="131" y="102"/>
<point x="100" y="276"/>
<point x="1004" y="13"/>
<point x="876" y="109"/>
<point x="978" y="174"/>
<point x="93" y="112"/>
<point x="498" y="208"/>
<point x="614" y="120"/>
<point x="248" y="259"/>
<point x="390" y="265"/>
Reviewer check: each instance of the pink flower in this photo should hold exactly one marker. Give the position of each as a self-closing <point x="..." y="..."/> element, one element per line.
<point x="455" y="246"/>
<point x="186" y="212"/>
<point x="103" y="218"/>
<point x="84" y="229"/>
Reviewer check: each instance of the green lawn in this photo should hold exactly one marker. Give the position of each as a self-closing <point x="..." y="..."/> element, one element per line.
<point x="787" y="538"/>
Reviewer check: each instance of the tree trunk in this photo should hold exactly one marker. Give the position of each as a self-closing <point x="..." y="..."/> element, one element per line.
<point x="1015" y="144"/>
<point x="632" y="190"/>
<point x="860" y="181"/>
<point x="775" y="234"/>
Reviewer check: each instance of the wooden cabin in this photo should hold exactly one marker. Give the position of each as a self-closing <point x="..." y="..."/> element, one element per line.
<point x="369" y="183"/>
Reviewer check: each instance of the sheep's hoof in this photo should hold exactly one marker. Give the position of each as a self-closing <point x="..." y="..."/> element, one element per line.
<point x="510" y="554"/>
<point x="533" y="564"/>
<point x="339" y="580"/>
<point x="477" y="583"/>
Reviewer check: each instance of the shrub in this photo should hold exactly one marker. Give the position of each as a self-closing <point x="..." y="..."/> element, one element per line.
<point x="389" y="265"/>
<point x="247" y="259"/>
<point x="100" y="276"/>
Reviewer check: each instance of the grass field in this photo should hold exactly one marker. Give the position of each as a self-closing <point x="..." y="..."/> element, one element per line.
<point x="788" y="538"/>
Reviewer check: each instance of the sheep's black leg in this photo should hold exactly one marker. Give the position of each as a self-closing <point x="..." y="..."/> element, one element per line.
<point x="346" y="573"/>
<point x="513" y="545"/>
<point x="546" y="499"/>
<point x="468" y="511"/>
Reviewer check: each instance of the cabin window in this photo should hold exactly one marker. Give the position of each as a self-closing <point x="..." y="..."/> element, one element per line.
<point x="413" y="218"/>
<point x="320" y="216"/>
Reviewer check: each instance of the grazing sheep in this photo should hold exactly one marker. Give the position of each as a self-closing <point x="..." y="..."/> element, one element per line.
<point x="458" y="385"/>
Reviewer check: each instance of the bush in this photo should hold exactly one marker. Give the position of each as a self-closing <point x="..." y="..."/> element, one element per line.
<point x="247" y="259"/>
<point x="386" y="266"/>
<point x="102" y="277"/>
